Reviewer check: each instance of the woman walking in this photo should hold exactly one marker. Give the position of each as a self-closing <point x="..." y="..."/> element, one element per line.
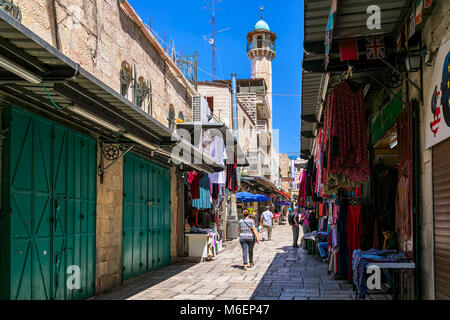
<point x="247" y="237"/>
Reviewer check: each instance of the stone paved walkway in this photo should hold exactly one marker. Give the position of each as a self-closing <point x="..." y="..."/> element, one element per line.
<point x="281" y="273"/>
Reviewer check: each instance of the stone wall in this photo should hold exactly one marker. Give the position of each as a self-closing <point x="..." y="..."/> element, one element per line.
<point x="222" y="100"/>
<point x="108" y="269"/>
<point x="99" y="35"/>
<point x="284" y="164"/>
<point x="248" y="102"/>
<point x="436" y="26"/>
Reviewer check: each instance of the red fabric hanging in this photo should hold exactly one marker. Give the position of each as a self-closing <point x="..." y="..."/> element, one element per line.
<point x="194" y="180"/>
<point x="354" y="233"/>
<point x="344" y="137"/>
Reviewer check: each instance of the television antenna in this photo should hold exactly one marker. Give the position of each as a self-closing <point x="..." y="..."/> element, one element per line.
<point x="211" y="38"/>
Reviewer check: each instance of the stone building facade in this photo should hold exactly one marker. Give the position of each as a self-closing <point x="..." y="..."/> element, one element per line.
<point x="109" y="40"/>
<point x="220" y="99"/>
<point x="101" y="36"/>
<point x="284" y="171"/>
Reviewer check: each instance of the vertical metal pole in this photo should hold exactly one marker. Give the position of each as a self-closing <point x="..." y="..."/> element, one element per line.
<point x="195" y="70"/>
<point x="235" y="118"/>
<point x="214" y="41"/>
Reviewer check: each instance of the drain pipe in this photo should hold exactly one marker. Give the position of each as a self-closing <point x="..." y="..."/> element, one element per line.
<point x="236" y="120"/>
<point x="232" y="222"/>
<point x="234" y="93"/>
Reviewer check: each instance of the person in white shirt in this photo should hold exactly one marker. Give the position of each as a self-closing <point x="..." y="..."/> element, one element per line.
<point x="266" y="221"/>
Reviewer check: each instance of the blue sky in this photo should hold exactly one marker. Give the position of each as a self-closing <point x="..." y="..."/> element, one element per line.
<point x="186" y="22"/>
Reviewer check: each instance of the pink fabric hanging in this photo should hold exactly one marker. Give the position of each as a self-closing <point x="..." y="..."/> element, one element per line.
<point x="302" y="190"/>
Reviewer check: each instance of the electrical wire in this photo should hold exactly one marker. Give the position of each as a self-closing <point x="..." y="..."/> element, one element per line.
<point x="206" y="72"/>
<point x="53" y="102"/>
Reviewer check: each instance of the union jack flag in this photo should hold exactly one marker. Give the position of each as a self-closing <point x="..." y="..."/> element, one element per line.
<point x="375" y="47"/>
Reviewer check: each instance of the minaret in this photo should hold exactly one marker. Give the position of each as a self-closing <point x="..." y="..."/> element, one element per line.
<point x="261" y="51"/>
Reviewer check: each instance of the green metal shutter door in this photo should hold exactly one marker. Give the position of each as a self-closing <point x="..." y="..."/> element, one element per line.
<point x="144" y="244"/>
<point x="43" y="162"/>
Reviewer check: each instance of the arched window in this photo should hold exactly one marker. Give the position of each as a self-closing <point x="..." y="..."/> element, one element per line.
<point x="259" y="41"/>
<point x="125" y="78"/>
<point x="142" y="91"/>
<point x="171" y="117"/>
<point x="181" y="116"/>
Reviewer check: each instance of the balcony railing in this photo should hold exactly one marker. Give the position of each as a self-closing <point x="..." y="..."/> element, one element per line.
<point x="261" y="125"/>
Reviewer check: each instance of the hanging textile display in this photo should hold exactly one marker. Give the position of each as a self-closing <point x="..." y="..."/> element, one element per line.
<point x="193" y="178"/>
<point x="231" y="183"/>
<point x="204" y="200"/>
<point x="302" y="189"/>
<point x="354" y="231"/>
<point x="346" y="160"/>
<point x="404" y="199"/>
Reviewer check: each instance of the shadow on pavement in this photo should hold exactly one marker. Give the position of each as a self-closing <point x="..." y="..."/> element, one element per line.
<point x="279" y="276"/>
<point x="143" y="282"/>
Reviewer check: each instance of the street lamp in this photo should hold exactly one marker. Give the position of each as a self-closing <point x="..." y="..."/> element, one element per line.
<point x="413" y="62"/>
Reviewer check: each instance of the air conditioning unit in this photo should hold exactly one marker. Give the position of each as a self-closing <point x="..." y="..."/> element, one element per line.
<point x="200" y="108"/>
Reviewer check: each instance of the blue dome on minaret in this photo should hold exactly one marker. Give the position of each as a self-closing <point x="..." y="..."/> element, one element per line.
<point x="262" y="25"/>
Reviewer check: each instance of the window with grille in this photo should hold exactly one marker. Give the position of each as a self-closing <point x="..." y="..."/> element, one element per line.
<point x="259" y="42"/>
<point x="142" y="92"/>
<point x="171" y="117"/>
<point x="125" y="78"/>
<point x="210" y="101"/>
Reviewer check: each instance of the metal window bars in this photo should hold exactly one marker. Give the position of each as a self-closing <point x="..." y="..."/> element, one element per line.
<point x="11" y="9"/>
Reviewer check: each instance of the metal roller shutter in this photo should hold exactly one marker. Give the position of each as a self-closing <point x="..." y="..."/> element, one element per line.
<point x="441" y="197"/>
<point x="146" y="216"/>
<point x="49" y="196"/>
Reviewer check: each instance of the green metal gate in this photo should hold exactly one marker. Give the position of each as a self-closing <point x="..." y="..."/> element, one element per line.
<point x="146" y="216"/>
<point x="48" y="209"/>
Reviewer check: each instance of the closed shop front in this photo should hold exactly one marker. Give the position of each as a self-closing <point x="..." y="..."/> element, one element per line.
<point x="441" y="191"/>
<point x="48" y="209"/>
<point x="146" y="216"/>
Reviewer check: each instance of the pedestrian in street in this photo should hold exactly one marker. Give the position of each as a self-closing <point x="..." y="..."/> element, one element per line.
<point x="247" y="238"/>
<point x="322" y="245"/>
<point x="267" y="221"/>
<point x="304" y="222"/>
<point x="294" y="221"/>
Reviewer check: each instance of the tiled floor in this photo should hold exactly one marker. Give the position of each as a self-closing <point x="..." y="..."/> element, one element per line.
<point x="281" y="272"/>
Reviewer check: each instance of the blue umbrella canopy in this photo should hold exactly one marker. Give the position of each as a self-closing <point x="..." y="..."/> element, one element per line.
<point x="261" y="197"/>
<point x="283" y="203"/>
<point x="245" y="197"/>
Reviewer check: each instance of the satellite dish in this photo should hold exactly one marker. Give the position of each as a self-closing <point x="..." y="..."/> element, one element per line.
<point x="211" y="41"/>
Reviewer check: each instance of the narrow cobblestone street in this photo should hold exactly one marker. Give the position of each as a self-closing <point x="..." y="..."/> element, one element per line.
<point x="281" y="273"/>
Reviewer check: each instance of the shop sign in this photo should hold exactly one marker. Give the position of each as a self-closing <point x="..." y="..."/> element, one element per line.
<point x="437" y="97"/>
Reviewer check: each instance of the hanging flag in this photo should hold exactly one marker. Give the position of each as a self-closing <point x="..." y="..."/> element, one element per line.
<point x="333" y="6"/>
<point x="375" y="47"/>
<point x="412" y="27"/>
<point x="348" y="50"/>
<point x="399" y="42"/>
<point x="406" y="35"/>
<point x="327" y="42"/>
<point x="330" y="23"/>
<point x="419" y="7"/>
<point x="428" y="3"/>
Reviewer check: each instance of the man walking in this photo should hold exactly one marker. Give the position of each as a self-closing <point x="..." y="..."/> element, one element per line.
<point x="266" y="221"/>
<point x="294" y="222"/>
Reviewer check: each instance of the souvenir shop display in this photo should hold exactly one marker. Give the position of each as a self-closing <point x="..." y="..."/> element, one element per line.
<point x="361" y="205"/>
